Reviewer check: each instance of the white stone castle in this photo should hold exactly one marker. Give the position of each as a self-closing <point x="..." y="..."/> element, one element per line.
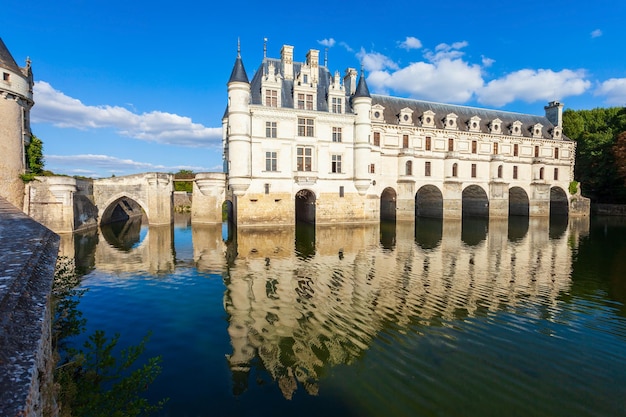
<point x="16" y="100"/>
<point x="301" y="143"/>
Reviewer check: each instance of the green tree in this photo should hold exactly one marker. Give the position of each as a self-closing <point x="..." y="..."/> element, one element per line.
<point x="595" y="132"/>
<point x="184" y="174"/>
<point x="34" y="155"/>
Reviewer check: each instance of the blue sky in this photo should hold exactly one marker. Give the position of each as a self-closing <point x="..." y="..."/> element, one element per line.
<point x="133" y="86"/>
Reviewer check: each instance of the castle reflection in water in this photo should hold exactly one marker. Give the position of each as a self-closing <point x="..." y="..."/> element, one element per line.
<point x="296" y="307"/>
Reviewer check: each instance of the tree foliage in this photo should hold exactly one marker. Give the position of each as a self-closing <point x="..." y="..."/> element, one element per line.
<point x="34" y="155"/>
<point x="596" y="132"/>
<point x="96" y="380"/>
<point x="184" y="174"/>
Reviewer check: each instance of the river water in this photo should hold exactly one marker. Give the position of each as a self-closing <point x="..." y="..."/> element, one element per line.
<point x="426" y="318"/>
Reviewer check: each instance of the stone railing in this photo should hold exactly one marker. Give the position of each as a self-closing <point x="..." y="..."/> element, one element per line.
<point x="28" y="253"/>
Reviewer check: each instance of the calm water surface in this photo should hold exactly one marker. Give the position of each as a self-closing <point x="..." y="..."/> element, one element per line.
<point x="474" y="318"/>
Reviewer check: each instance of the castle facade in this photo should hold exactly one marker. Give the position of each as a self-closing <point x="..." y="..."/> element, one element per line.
<point x="301" y="143"/>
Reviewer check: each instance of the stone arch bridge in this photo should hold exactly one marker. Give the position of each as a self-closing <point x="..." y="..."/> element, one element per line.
<point x="66" y="204"/>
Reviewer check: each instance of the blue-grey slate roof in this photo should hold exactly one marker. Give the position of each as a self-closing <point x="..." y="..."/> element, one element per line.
<point x="361" y="88"/>
<point x="393" y="105"/>
<point x="239" y="72"/>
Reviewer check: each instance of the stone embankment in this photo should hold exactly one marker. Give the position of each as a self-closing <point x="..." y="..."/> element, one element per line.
<point x="27" y="260"/>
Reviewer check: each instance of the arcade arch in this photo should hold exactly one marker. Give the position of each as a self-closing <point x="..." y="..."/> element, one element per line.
<point x="475" y="202"/>
<point x="429" y="202"/>
<point x="519" y="204"/>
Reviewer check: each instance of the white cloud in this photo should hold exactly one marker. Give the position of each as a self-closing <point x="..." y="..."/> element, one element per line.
<point x="487" y="62"/>
<point x="105" y="165"/>
<point x="445" y="51"/>
<point x="596" y="33"/>
<point x="346" y="46"/>
<point x="410" y="43"/>
<point x="330" y="42"/>
<point x="54" y="107"/>
<point x="375" y="61"/>
<point x="532" y="85"/>
<point x="445" y="80"/>
<point x="615" y="91"/>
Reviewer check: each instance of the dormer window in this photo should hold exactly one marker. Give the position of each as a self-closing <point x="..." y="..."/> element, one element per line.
<point x="377" y="113"/>
<point x="406" y="116"/>
<point x="495" y="126"/>
<point x="428" y="118"/>
<point x="474" y="124"/>
<point x="305" y="79"/>
<point x="537" y="130"/>
<point x="516" y="128"/>
<point x="557" y="133"/>
<point x="450" y="121"/>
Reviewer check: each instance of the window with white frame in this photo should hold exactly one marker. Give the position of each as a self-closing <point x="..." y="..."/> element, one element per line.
<point x="304" y="159"/>
<point x="335" y="165"/>
<point x="271" y="98"/>
<point x="306" y="127"/>
<point x="336" y="134"/>
<point x="336" y="105"/>
<point x="309" y="101"/>
<point x="271" y="161"/>
<point x="300" y="101"/>
<point x="270" y="129"/>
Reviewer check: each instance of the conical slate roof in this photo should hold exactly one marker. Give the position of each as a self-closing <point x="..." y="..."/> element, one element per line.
<point x="239" y="72"/>
<point x="361" y="88"/>
<point x="6" y="60"/>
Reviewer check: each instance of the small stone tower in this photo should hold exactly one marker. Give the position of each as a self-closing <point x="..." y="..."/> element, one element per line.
<point x="362" y="105"/>
<point x="16" y="100"/>
<point x="238" y="152"/>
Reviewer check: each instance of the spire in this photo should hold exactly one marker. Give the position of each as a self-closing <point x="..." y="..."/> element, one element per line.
<point x="239" y="72"/>
<point x="361" y="88"/>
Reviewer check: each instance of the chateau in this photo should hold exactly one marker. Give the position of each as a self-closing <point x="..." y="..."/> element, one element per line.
<point x="16" y="100"/>
<point x="301" y="143"/>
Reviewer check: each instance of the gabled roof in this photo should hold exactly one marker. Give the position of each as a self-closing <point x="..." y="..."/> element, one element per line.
<point x="393" y="106"/>
<point x="6" y="60"/>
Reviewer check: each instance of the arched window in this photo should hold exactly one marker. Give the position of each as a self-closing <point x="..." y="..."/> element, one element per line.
<point x="499" y="171"/>
<point x="408" y="170"/>
<point x="540" y="173"/>
<point x="455" y="169"/>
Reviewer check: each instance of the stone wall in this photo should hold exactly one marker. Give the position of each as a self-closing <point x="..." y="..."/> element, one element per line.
<point x="27" y="260"/>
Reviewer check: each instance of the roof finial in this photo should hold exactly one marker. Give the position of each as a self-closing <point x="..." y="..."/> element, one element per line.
<point x="264" y="48"/>
<point x="326" y="56"/>
<point x="238" y="48"/>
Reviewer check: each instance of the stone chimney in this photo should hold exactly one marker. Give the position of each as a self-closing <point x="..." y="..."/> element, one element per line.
<point x="349" y="81"/>
<point x="312" y="60"/>
<point x="554" y="113"/>
<point x="286" y="57"/>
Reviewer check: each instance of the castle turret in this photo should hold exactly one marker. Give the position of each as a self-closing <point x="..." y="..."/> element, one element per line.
<point x="16" y="100"/>
<point x="238" y="129"/>
<point x="362" y="106"/>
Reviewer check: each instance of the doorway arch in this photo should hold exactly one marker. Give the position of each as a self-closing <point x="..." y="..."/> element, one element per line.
<point x="305" y="206"/>
<point x="388" y="204"/>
